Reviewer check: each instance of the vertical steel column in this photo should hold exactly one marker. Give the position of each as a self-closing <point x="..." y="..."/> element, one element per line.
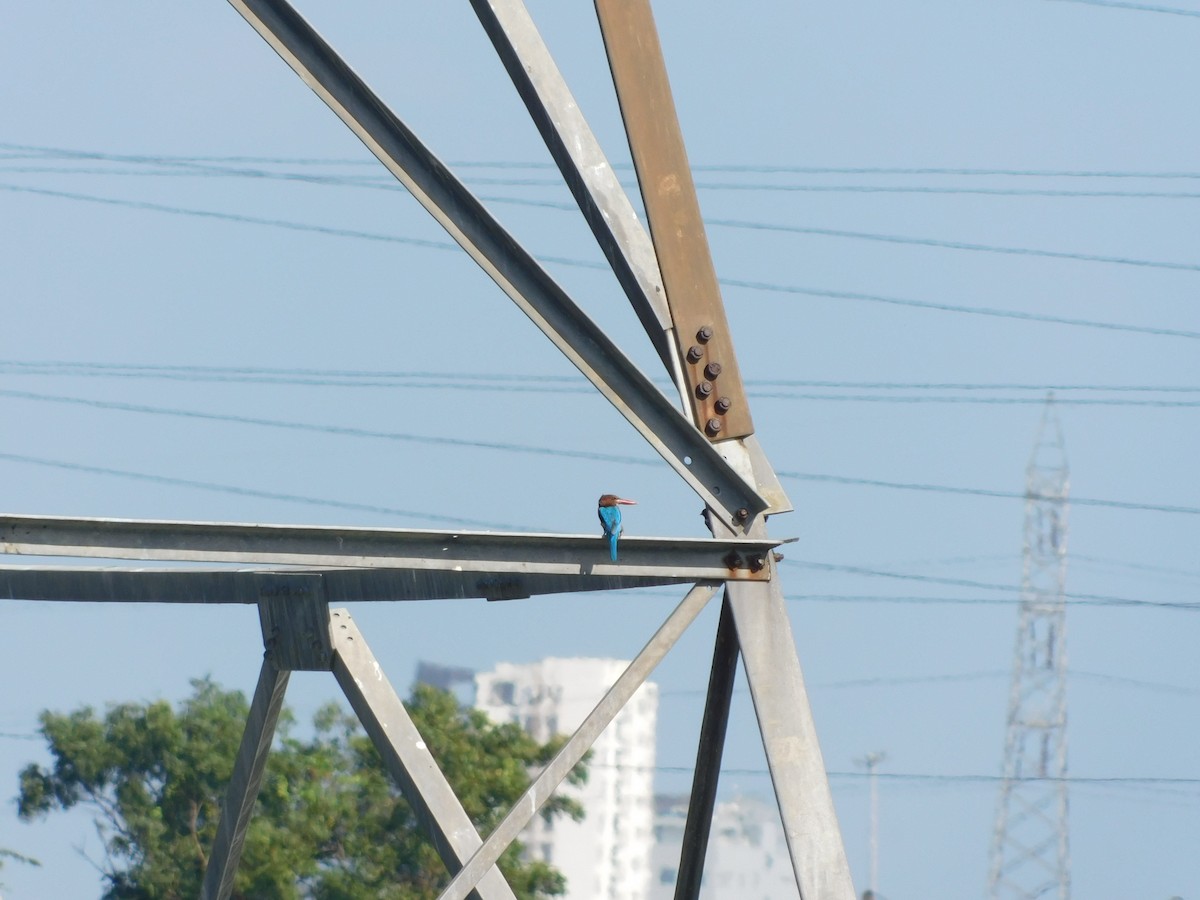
<point x="406" y="756"/>
<point x="247" y="777"/>
<point x="789" y="736"/>
<point x="708" y="758"/>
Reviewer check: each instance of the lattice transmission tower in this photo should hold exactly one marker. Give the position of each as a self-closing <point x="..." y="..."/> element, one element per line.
<point x="1030" y="850"/>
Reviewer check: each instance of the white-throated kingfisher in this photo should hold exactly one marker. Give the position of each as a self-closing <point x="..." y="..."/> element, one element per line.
<point x="610" y="519"/>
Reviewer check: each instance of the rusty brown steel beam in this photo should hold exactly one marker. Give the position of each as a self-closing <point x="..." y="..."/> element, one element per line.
<point x="705" y="346"/>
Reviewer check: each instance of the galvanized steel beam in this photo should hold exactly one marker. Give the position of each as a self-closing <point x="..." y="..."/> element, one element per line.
<point x="516" y="272"/>
<point x="580" y="742"/>
<point x="406" y="755"/>
<point x="708" y="758"/>
<point x="248" y="769"/>
<point x="585" y="168"/>
<point x="493" y="553"/>
<point x="245" y="586"/>
<point x="810" y="824"/>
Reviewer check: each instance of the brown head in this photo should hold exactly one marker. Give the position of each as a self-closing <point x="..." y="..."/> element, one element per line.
<point x="614" y="500"/>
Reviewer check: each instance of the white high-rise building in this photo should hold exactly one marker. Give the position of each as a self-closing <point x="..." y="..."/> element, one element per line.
<point x="747" y="854"/>
<point x="607" y="855"/>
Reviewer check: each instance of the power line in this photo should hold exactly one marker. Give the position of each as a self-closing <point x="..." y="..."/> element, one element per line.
<point x="252" y="492"/>
<point x="349" y="431"/>
<point x="730" y="223"/>
<point x="408" y="378"/>
<point x="1139" y="7"/>
<point x="346" y="431"/>
<point x="577" y="263"/>
<point x="982" y="492"/>
<point x="954" y="245"/>
<point x="534" y="384"/>
<point x="387" y="183"/>
<point x="1075" y="598"/>
<point x="754" y="168"/>
<point x="956" y="308"/>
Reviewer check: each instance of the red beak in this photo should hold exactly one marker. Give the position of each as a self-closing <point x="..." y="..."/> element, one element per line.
<point x="624" y="502"/>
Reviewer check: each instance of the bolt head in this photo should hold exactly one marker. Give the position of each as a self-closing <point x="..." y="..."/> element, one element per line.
<point x="723" y="404"/>
<point x="713" y="427"/>
<point x="703" y="389"/>
<point x="704" y="335"/>
<point x="712" y="370"/>
<point x="695" y="353"/>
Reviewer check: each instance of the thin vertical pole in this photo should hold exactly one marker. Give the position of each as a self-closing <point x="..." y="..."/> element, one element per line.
<point x="871" y="761"/>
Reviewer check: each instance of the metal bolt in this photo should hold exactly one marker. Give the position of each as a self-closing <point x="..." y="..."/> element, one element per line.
<point x="712" y="370"/>
<point x="703" y="389"/>
<point x="757" y="563"/>
<point x="742" y="514"/>
<point x="695" y="353"/>
<point x="713" y="427"/>
<point x="723" y="404"/>
<point x="733" y="560"/>
<point x="704" y="335"/>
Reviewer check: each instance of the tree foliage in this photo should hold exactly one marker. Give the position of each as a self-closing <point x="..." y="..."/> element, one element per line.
<point x="328" y="825"/>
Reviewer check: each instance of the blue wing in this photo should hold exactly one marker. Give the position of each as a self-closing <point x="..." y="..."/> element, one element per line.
<point x="610" y="521"/>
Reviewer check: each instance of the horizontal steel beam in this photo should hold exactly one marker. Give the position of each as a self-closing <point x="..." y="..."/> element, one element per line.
<point x="171" y="585"/>
<point x="496" y="553"/>
<point x="517" y="273"/>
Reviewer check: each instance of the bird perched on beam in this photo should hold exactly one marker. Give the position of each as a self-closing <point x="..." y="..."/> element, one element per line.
<point x="610" y="519"/>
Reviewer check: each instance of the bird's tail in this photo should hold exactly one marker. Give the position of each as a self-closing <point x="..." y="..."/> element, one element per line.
<point x="612" y="546"/>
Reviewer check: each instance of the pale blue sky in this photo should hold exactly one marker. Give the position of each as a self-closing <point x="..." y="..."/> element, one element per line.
<point x="131" y="255"/>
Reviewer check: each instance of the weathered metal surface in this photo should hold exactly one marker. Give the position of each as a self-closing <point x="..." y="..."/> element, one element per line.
<point x="708" y="758"/>
<point x="675" y="438"/>
<point x="245" y="586"/>
<point x="810" y="824"/>
<point x="295" y="629"/>
<point x="580" y="742"/>
<point x="705" y="345"/>
<point x="406" y="756"/>
<point x="493" y="553"/>
<point x="585" y="168"/>
<point x="243" y="788"/>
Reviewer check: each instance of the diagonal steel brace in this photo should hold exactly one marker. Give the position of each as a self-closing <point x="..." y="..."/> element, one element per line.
<point x="583" y="342"/>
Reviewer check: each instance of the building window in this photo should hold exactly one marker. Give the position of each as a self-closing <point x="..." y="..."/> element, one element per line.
<point x="503" y="692"/>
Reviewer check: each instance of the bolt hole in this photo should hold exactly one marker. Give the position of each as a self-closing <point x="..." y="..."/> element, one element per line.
<point x="687" y="460"/>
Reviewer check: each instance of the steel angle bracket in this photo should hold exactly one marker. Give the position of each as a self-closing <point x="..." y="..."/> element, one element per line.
<point x="675" y="438"/>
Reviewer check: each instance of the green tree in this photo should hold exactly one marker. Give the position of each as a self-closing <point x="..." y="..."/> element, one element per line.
<point x="329" y="824"/>
<point x="5" y="853"/>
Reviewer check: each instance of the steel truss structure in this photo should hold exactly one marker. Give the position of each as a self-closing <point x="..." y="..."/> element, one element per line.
<point x="296" y="572"/>
<point x="1030" y="853"/>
